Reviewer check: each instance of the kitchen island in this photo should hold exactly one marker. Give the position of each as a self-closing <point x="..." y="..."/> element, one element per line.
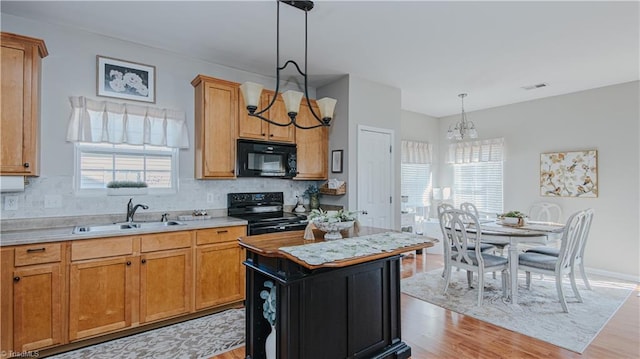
<point x="335" y="299"/>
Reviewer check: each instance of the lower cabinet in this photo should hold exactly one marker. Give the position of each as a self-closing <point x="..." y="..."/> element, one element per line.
<point x="218" y="278"/>
<point x="69" y="291"/>
<point x="166" y="274"/>
<point x="220" y="275"/>
<point x="32" y="297"/>
<point x="101" y="293"/>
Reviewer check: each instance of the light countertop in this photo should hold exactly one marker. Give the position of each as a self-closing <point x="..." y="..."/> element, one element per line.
<point x="31" y="236"/>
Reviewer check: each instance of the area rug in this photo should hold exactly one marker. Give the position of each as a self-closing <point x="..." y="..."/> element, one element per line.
<point x="538" y="313"/>
<point x="198" y="338"/>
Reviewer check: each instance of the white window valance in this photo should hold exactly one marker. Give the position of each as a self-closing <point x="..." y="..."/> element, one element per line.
<point x="118" y="123"/>
<point x="416" y="152"/>
<point x="477" y="151"/>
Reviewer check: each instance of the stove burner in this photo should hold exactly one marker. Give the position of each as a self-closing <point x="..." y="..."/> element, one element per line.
<point x="264" y="212"/>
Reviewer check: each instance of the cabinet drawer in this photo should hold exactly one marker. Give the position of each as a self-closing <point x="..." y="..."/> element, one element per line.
<point x="159" y="242"/>
<point x="221" y="234"/>
<point x="102" y="247"/>
<point x="38" y="253"/>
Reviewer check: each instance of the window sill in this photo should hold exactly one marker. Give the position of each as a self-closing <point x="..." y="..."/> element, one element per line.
<point x="124" y="191"/>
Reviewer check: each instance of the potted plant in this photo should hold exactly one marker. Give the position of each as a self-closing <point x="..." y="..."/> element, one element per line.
<point x="312" y="192"/>
<point x="126" y="188"/>
<point x="513" y="218"/>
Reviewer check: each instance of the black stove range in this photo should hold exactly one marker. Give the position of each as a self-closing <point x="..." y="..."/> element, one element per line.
<point x="264" y="212"/>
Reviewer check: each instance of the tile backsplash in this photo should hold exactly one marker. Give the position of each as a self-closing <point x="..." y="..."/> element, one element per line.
<point x="192" y="194"/>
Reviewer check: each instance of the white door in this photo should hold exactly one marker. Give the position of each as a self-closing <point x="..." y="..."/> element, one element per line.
<point x="375" y="177"/>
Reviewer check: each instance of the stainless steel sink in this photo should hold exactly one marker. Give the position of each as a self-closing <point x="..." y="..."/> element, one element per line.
<point x="116" y="227"/>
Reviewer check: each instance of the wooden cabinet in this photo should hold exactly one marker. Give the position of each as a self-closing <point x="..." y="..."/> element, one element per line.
<point x="102" y="288"/>
<point x="221" y="118"/>
<point x="36" y="296"/>
<point x="20" y="117"/>
<point x="257" y="129"/>
<point x="216" y="106"/>
<point x="219" y="271"/>
<point x="65" y="292"/>
<point x="312" y="145"/>
<point x="166" y="274"/>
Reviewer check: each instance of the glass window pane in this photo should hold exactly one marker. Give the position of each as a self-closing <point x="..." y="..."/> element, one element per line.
<point x="100" y="163"/>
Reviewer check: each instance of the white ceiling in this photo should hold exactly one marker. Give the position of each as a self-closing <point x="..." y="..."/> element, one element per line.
<point x="431" y="50"/>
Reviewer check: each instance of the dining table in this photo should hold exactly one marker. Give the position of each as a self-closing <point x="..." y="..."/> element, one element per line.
<point x="493" y="231"/>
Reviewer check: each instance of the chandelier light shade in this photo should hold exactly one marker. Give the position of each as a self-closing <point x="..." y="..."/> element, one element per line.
<point x="251" y="91"/>
<point x="464" y="128"/>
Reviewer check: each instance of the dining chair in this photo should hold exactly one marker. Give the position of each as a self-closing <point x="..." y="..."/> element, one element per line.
<point x="562" y="264"/>
<point x="469" y="207"/>
<point x="545" y="212"/>
<point x="483" y="246"/>
<point x="457" y="239"/>
<point x="578" y="258"/>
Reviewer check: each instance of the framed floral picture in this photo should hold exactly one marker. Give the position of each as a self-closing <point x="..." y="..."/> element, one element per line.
<point x="126" y="80"/>
<point x="569" y="174"/>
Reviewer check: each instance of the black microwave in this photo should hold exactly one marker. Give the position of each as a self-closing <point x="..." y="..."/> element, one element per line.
<point x="266" y="159"/>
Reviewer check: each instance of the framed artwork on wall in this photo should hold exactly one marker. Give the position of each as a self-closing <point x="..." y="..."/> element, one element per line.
<point x="569" y="174"/>
<point x="336" y="161"/>
<point x="125" y="79"/>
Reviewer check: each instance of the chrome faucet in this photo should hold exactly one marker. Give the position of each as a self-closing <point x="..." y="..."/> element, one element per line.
<point x="131" y="209"/>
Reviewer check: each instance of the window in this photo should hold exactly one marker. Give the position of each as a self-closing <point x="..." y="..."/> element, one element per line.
<point x="415" y="184"/>
<point x="478" y="174"/>
<point x="98" y="163"/>
<point x="416" y="189"/>
<point x="479" y="183"/>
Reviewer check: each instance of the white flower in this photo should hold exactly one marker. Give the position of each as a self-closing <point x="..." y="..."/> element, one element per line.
<point x="117" y="85"/>
<point x="132" y="79"/>
<point x="115" y="73"/>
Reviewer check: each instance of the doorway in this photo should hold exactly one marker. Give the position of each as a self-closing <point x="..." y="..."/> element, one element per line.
<point x="375" y="176"/>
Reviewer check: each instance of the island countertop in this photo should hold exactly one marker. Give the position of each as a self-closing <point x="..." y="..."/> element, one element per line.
<point x="276" y="245"/>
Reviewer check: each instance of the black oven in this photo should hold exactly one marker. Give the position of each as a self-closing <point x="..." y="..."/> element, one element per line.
<point x="264" y="212"/>
<point x="266" y="159"/>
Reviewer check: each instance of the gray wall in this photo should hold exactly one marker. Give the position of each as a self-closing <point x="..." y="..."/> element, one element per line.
<point x="606" y="119"/>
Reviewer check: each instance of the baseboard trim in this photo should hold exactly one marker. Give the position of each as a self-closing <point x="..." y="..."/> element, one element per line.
<point x="615" y="275"/>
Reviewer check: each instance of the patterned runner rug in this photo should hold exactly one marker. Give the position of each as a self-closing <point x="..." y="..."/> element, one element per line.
<point x="198" y="338"/>
<point x="539" y="313"/>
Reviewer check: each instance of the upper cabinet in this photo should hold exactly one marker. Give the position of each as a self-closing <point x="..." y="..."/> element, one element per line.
<point x="256" y="129"/>
<point x="312" y="145"/>
<point x="216" y="106"/>
<point x="221" y="118"/>
<point x="20" y="78"/>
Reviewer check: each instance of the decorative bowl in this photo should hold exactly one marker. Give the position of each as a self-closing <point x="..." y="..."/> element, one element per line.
<point x="513" y="221"/>
<point x="332" y="229"/>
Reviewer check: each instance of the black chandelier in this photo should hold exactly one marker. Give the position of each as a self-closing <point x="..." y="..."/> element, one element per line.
<point x="251" y="91"/>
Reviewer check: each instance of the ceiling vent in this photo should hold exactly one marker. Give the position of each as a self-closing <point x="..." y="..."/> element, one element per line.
<point x="536" y="86"/>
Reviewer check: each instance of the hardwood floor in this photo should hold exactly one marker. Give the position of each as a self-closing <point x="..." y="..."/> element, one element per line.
<point x="434" y="332"/>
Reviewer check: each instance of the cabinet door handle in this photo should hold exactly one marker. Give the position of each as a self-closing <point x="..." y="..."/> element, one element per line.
<point x="16" y="279"/>
<point x="128" y="263"/>
<point x="33" y="250"/>
<point x="144" y="261"/>
<point x="225" y="231"/>
<point x="26" y="165"/>
<point x="271" y="135"/>
<point x="264" y="134"/>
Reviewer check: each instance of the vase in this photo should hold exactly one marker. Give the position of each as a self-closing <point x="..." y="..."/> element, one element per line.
<point x="314" y="202"/>
<point x="270" y="344"/>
